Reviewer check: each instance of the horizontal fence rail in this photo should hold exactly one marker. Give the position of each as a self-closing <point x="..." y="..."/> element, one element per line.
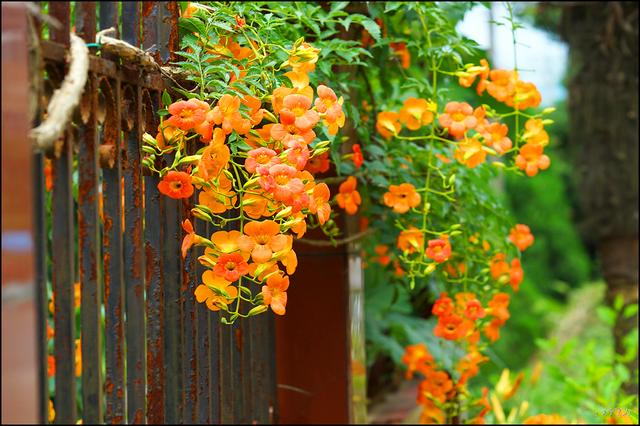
<point x="140" y="350"/>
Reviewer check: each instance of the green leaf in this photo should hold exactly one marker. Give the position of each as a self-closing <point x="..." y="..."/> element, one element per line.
<point x="166" y="99"/>
<point x="630" y="310"/>
<point x="618" y="303"/>
<point x="606" y="315"/>
<point x="372" y="28"/>
<point x="192" y="25"/>
<point x="221" y="25"/>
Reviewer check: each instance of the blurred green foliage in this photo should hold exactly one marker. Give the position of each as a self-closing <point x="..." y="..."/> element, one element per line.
<point x="578" y="366"/>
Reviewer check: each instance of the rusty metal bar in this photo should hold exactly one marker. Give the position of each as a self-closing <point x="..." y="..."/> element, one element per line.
<point x="41" y="284"/>
<point x="172" y="341"/>
<point x="41" y="250"/>
<point x="203" y="337"/>
<point x="133" y="259"/>
<point x="260" y="391"/>
<point x="189" y="332"/>
<point x="112" y="237"/>
<point x="113" y="259"/>
<point x="109" y="16"/>
<point x="215" y="382"/>
<point x="227" y="366"/>
<point x="63" y="258"/>
<point x="154" y="278"/>
<point x="272" y="377"/>
<point x="246" y="368"/>
<point x="150" y="24"/>
<point x="236" y="348"/>
<point x="91" y="344"/>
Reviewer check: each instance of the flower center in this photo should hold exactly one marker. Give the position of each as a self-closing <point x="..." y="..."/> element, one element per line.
<point x="262" y="239"/>
<point x="458" y="116"/>
<point x="176" y="186"/>
<point x="230" y="266"/>
<point x="282" y="179"/>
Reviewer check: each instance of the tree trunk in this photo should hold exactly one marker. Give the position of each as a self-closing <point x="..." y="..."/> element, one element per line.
<point x="603" y="108"/>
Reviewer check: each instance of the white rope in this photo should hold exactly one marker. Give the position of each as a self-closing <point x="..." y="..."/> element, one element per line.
<point x="65" y="99"/>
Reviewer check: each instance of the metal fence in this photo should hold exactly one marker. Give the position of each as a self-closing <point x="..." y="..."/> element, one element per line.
<point x="167" y="359"/>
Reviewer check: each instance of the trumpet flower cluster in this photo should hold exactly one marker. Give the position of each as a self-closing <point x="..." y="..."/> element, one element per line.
<point x="255" y="170"/>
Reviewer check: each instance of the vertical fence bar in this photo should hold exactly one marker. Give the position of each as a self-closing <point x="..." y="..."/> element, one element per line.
<point x="133" y="259"/>
<point x="154" y="277"/>
<point x="63" y="258"/>
<point x="189" y="359"/>
<point x="41" y="285"/>
<point x="88" y="232"/>
<point x="260" y="390"/>
<point x="236" y="396"/>
<point x="227" y="363"/>
<point x="272" y="377"/>
<point x="40" y="239"/>
<point x="112" y="238"/>
<point x="154" y="231"/>
<point x="203" y="337"/>
<point x="172" y="341"/>
<point x="227" y="385"/>
<point x="246" y="367"/>
<point x="215" y="383"/>
<point x="171" y="259"/>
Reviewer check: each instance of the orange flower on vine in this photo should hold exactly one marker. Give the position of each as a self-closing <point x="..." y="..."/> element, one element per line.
<point x="275" y="293"/>
<point x="410" y="240"/>
<point x="261" y="240"/>
<point x="439" y="249"/>
<point x="457" y="118"/>
<point x="212" y="299"/>
<point x="349" y="197"/>
<point x="402" y="197"/>
<point x="388" y="124"/>
<point x="227" y="114"/>
<point x="176" y="185"/>
<point x="521" y="236"/>
<point x="231" y="266"/>
<point x="416" y="113"/>
<point x="531" y="159"/>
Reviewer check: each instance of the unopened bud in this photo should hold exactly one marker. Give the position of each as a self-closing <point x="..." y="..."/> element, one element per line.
<point x="148" y="149"/>
<point x="489" y="150"/>
<point x="228" y="174"/>
<point x="284" y="212"/>
<point x="258" y="310"/>
<point x="206" y="261"/>
<point x="322" y="144"/>
<point x="270" y="117"/>
<point x="150" y="140"/>
<point x="430" y="268"/>
<point x="201" y="214"/>
<point x="319" y="151"/>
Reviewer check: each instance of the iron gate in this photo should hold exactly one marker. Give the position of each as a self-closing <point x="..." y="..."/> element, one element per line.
<point x="167" y="359"/>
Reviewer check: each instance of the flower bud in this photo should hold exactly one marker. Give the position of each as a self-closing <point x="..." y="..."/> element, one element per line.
<point x="258" y="310"/>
